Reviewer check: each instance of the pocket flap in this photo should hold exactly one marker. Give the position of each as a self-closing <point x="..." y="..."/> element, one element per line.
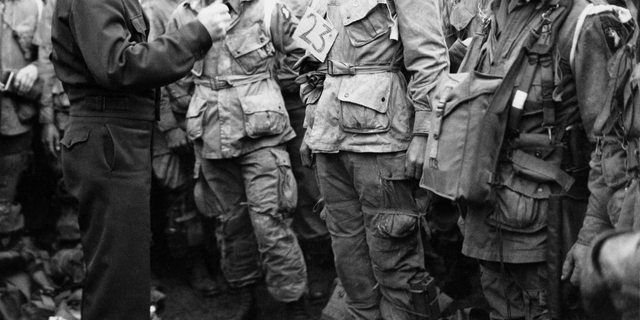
<point x="196" y="106"/>
<point x="282" y="160"/>
<point x="465" y="87"/>
<point x="525" y="187"/>
<point x="392" y="166"/>
<point x="462" y="14"/>
<point x="262" y="102"/>
<point x="358" y="9"/>
<point x="368" y="90"/>
<point x="73" y="137"/>
<point x="243" y="43"/>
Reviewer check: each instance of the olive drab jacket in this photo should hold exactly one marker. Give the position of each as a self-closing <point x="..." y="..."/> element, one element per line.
<point x="366" y="104"/>
<point x="522" y="199"/>
<point x="237" y="106"/>
<point x="19" y="21"/>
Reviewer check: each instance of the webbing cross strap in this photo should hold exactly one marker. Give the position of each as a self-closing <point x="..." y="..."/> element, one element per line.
<point x="539" y="57"/>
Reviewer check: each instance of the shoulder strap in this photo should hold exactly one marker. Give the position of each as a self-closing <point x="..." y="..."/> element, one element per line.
<point x="269" y="5"/>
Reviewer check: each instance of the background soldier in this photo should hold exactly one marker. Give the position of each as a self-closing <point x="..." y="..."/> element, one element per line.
<point x="510" y="236"/>
<point x="173" y="161"/>
<point x="17" y="104"/>
<point x="109" y="72"/>
<point x="367" y="130"/>
<point x="310" y="229"/>
<point x="54" y="117"/>
<point x="239" y="124"/>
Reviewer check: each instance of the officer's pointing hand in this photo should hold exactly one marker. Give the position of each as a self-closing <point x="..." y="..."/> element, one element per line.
<point x="215" y="17"/>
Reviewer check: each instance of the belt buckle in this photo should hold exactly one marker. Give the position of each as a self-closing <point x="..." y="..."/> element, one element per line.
<point x="330" y="68"/>
<point x="219" y="84"/>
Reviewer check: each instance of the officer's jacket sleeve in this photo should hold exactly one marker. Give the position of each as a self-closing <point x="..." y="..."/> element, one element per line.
<point x="425" y="52"/>
<point x="115" y="61"/>
<point x="283" y="25"/>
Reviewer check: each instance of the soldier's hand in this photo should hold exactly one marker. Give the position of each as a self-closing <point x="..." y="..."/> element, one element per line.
<point x="415" y="157"/>
<point x="306" y="155"/>
<point x="215" y="17"/>
<point x="25" y="78"/>
<point x="178" y="141"/>
<point x="573" y="263"/>
<point x="51" y="138"/>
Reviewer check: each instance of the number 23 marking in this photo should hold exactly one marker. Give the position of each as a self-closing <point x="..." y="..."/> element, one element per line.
<point x="304" y="35"/>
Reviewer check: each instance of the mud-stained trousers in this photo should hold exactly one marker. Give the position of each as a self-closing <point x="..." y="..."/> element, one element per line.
<point x="107" y="167"/>
<point x="515" y="291"/>
<point x="257" y="189"/>
<point x="373" y="220"/>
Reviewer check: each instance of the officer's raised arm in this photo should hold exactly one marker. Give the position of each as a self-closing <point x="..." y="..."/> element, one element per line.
<point x="117" y="60"/>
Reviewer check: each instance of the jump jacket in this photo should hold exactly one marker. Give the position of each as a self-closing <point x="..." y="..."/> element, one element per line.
<point x="366" y="104"/>
<point x="237" y="106"/>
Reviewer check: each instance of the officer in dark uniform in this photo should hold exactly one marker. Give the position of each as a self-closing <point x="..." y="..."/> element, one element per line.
<point x="109" y="74"/>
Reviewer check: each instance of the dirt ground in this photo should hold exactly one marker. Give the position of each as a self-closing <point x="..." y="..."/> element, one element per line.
<point x="183" y="303"/>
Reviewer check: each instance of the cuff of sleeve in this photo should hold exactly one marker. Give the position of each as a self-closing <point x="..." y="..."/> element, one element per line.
<point x="196" y="38"/>
<point x="422" y="124"/>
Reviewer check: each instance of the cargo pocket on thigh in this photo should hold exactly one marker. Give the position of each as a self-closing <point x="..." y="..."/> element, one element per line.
<point x="396" y="223"/>
<point x="287" y="188"/>
<point x="396" y="191"/>
<point x="364" y="102"/>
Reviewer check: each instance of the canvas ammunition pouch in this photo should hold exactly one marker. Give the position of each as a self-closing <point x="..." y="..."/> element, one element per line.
<point x="475" y="119"/>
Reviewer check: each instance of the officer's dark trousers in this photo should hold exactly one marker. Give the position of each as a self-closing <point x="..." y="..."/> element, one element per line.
<point x="107" y="167"/>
